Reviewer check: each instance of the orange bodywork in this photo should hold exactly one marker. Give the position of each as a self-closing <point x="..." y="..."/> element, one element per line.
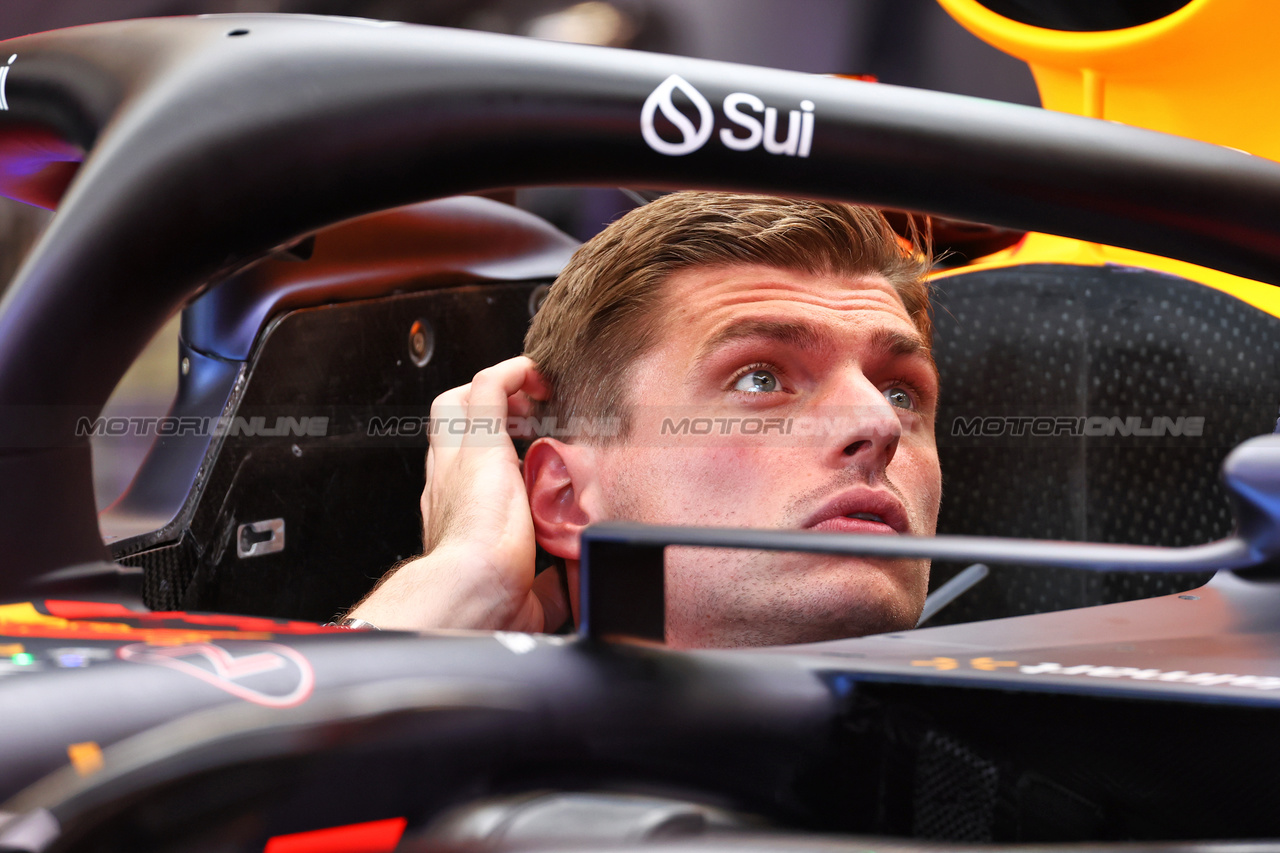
<point x="1200" y="72"/>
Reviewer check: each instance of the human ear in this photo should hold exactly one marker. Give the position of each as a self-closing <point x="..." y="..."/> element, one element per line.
<point x="556" y="477"/>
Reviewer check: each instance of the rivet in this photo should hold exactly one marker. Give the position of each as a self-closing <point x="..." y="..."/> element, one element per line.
<point x="422" y="343"/>
<point x="186" y="365"/>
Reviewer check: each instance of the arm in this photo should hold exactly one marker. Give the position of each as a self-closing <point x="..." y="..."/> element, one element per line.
<point x="477" y="569"/>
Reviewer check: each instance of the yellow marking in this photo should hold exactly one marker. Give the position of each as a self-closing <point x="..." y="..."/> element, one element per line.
<point x="989" y="665"/>
<point x="85" y="757"/>
<point x="8" y="650"/>
<point x="937" y="663"/>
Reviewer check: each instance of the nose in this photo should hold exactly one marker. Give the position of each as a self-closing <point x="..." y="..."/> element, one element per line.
<point x="867" y="427"/>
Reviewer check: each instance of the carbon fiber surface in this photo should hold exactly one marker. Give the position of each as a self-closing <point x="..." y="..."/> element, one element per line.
<point x="1036" y="358"/>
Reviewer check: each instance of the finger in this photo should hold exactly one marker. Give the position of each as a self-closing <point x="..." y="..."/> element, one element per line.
<point x="447" y="409"/>
<point x="549" y="590"/>
<point x="509" y="387"/>
<point x="506" y="378"/>
<point x="520" y="405"/>
<point x="534" y="390"/>
<point x="449" y="399"/>
<point x="490" y="400"/>
<point x="517" y="377"/>
<point x="534" y="385"/>
<point x="424" y="503"/>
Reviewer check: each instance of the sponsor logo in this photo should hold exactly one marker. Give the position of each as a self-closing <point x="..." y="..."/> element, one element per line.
<point x="4" y="79"/>
<point x="1133" y="673"/>
<point x="753" y="123"/>
<point x="662" y="100"/>
<point x="1177" y="676"/>
<point x="272" y="675"/>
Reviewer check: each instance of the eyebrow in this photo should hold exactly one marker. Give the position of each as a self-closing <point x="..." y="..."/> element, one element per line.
<point x="902" y="345"/>
<point x="798" y="335"/>
<point x="805" y="337"/>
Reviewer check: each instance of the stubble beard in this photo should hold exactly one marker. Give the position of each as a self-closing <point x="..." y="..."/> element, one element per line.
<point x="720" y="598"/>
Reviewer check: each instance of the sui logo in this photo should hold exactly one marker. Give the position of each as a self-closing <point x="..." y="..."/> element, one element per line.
<point x="4" y="78"/>
<point x="661" y="98"/>
<point x="753" y="123"/>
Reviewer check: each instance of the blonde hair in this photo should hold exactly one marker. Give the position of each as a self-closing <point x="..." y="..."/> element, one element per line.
<point x="603" y="312"/>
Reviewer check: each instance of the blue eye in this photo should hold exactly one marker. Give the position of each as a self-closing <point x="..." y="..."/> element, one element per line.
<point x="899" y="397"/>
<point x="757" y="381"/>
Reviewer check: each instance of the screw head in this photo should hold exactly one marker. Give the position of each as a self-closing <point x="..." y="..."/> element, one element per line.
<point x="422" y="343"/>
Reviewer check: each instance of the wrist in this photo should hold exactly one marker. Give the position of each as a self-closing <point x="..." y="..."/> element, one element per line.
<point x="447" y="588"/>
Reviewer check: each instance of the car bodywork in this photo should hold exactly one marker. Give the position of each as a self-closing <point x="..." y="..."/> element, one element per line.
<point x="206" y="144"/>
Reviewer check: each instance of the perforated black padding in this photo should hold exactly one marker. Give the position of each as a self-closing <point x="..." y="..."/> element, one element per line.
<point x="1050" y="376"/>
<point x="955" y="792"/>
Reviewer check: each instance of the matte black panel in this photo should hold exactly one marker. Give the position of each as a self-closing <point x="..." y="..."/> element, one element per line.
<point x="349" y="499"/>
<point x="623" y="592"/>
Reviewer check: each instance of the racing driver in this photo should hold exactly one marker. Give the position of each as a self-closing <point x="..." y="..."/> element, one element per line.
<point x="764" y="362"/>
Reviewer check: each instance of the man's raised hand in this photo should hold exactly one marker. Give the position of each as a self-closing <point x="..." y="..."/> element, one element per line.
<point x="477" y="569"/>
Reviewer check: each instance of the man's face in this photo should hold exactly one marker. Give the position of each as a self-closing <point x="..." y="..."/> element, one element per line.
<point x="821" y="397"/>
